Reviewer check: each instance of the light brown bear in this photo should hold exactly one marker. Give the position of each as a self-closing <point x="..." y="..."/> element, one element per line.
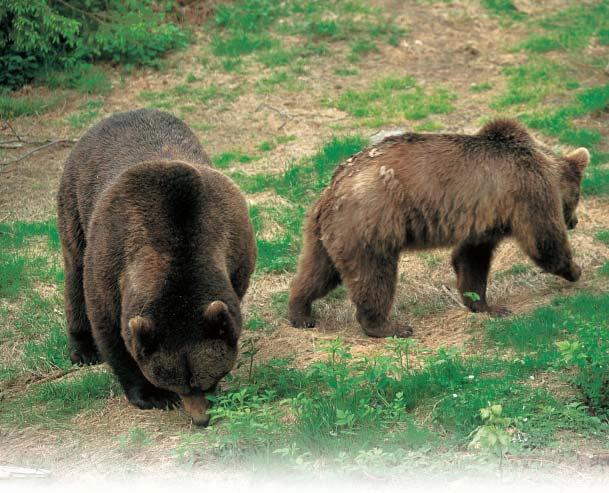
<point x="417" y="191"/>
<point x="158" y="250"/>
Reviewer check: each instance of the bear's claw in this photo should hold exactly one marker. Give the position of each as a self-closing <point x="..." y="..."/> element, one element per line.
<point x="151" y="397"/>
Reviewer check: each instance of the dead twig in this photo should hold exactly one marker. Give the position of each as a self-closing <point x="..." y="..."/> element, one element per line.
<point x="39" y="148"/>
<point x="282" y="113"/>
<point x="8" y="124"/>
<point x="452" y="296"/>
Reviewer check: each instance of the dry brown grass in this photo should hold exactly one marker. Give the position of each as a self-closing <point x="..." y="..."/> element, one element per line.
<point x="457" y="44"/>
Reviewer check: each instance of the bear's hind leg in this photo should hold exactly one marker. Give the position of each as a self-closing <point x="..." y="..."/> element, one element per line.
<point x="371" y="281"/>
<point x="316" y="277"/>
<point x="471" y="263"/>
<point x="82" y="346"/>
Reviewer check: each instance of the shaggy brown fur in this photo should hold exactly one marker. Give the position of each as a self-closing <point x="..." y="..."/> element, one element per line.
<point x="418" y="191"/>
<point x="158" y="250"/>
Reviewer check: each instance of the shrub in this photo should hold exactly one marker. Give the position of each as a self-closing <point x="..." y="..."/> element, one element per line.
<point x="38" y="36"/>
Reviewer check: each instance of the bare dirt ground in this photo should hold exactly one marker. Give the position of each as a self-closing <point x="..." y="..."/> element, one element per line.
<point x="454" y="45"/>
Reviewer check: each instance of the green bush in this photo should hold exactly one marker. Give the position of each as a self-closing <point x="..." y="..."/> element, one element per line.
<point x="38" y="36"/>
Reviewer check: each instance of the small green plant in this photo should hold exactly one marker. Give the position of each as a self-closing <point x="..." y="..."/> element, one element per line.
<point x="492" y="436"/>
<point x="255" y="322"/>
<point x="472" y="296"/>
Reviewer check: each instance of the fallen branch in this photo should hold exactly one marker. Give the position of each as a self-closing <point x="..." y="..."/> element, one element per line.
<point x="39" y="148"/>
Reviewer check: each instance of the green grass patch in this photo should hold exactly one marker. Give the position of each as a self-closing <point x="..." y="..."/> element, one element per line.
<point x="603" y="236"/>
<point x="28" y="252"/>
<point x="569" y="334"/>
<point x="54" y="403"/>
<point x="503" y="8"/>
<point x="245" y="27"/>
<point x="513" y="271"/>
<point x="559" y="123"/>
<point x="225" y="159"/>
<point x="255" y="322"/>
<point x="342" y="407"/>
<point x="604" y="269"/>
<point x="190" y="93"/>
<point x="571" y="29"/>
<point x="29" y="261"/>
<point x="15" y="106"/>
<point x="300" y="184"/>
<point x="529" y="84"/>
<point x="392" y="99"/>
<point x="84" y="78"/>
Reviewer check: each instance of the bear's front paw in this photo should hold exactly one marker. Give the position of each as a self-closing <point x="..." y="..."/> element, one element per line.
<point x="151" y="397"/>
<point x="82" y="355"/>
<point x="301" y="319"/>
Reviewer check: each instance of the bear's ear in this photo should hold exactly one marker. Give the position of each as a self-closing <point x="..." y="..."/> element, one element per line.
<point x="219" y="322"/>
<point x="145" y="340"/>
<point x="580" y="158"/>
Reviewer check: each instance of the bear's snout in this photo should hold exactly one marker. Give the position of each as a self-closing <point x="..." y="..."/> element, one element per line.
<point x="196" y="405"/>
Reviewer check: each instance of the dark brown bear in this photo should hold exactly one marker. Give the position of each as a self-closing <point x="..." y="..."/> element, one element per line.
<point x="158" y="251"/>
<point x="418" y="191"/>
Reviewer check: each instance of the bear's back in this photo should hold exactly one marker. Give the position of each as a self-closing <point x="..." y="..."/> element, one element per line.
<point x="119" y="142"/>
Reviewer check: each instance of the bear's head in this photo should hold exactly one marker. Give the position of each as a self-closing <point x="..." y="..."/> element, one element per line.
<point x="188" y="357"/>
<point x="572" y="172"/>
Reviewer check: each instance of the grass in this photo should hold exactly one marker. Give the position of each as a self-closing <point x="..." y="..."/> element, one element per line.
<point x="504" y="8"/>
<point x="603" y="236"/>
<point x="225" y="159"/>
<point x="54" y="403"/>
<point x="15" y="106"/>
<point x="392" y="99"/>
<point x="514" y="270"/>
<point x="533" y="87"/>
<point x="344" y="405"/>
<point x="299" y="185"/>
<point x="265" y="29"/>
<point x="84" y="78"/>
<point x="560" y="123"/>
<point x="23" y="260"/>
<point x="530" y="83"/>
<point x="190" y="93"/>
<point x="90" y="111"/>
<point x="571" y="29"/>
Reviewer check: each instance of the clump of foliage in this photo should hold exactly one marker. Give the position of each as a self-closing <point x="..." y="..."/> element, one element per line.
<point x="588" y="352"/>
<point x="39" y="36"/>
